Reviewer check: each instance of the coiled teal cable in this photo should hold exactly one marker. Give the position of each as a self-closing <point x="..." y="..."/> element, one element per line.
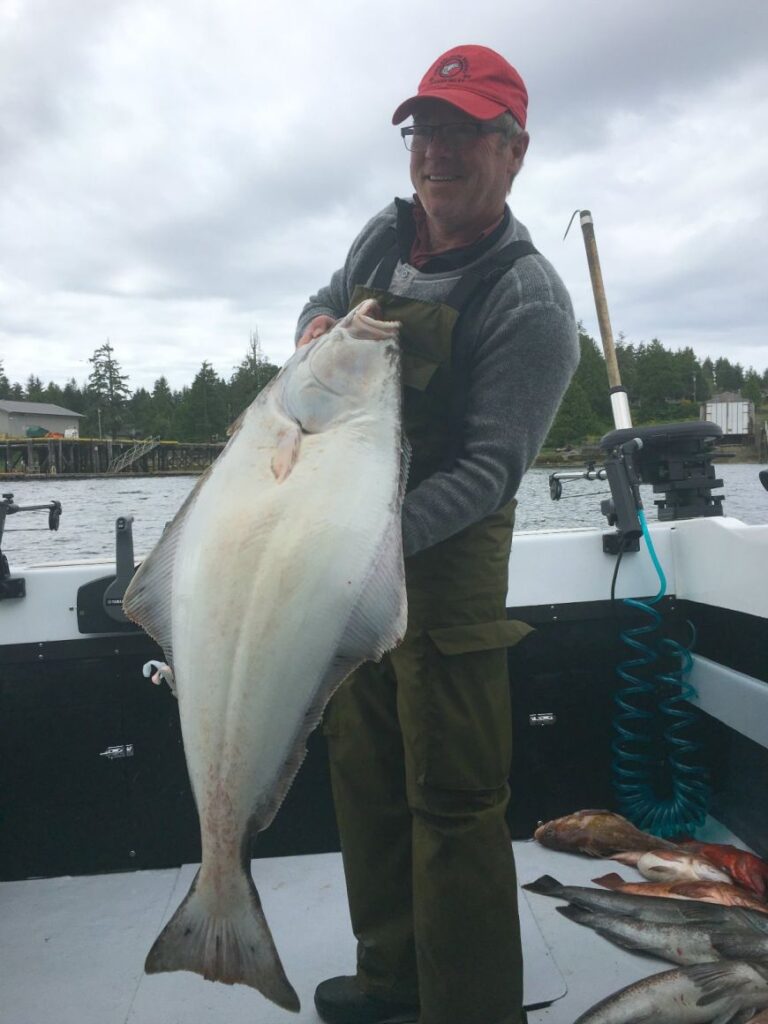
<point x="652" y="742"/>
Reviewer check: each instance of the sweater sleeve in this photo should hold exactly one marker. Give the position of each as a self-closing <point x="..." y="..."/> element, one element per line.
<point x="523" y="354"/>
<point x="334" y="298"/>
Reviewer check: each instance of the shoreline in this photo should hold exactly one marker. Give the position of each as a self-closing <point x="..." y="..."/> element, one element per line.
<point x="546" y="463"/>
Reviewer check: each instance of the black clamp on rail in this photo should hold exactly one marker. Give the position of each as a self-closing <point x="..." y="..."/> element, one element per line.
<point x="621" y="468"/>
<point x="15" y="586"/>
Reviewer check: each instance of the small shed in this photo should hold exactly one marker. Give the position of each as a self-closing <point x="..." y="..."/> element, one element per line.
<point x="733" y="414"/>
<point x="37" y="419"/>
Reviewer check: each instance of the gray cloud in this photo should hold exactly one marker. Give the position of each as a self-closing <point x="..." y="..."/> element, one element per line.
<point x="174" y="177"/>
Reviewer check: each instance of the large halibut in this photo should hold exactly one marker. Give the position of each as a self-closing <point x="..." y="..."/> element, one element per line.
<point x="280" y="574"/>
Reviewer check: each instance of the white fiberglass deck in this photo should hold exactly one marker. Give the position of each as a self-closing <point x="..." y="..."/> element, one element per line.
<point x="72" y="949"/>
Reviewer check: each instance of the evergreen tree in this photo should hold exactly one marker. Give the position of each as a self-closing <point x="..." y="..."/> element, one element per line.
<point x="163" y="410"/>
<point x="253" y="374"/>
<point x="575" y="419"/>
<point x="5" y="384"/>
<point x="626" y="357"/>
<point x="73" y="397"/>
<point x="34" y="389"/>
<point x="752" y="389"/>
<point x="729" y="376"/>
<point x="139" y="413"/>
<point x="708" y="373"/>
<point x="656" y="379"/>
<point x="202" y="412"/>
<point x="592" y="377"/>
<point x="53" y="394"/>
<point x="107" y="389"/>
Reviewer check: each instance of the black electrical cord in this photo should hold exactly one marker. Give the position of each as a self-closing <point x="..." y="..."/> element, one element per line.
<point x="624" y="547"/>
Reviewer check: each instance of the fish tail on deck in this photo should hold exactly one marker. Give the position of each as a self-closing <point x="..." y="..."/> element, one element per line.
<point x="236" y="948"/>
<point x="546" y="885"/>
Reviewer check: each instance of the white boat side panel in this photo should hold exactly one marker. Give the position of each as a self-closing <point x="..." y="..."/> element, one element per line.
<point x="720" y="562"/>
<point x="49" y="611"/>
<point x="723" y="562"/>
<point x="569" y="566"/>
<point x="738" y="700"/>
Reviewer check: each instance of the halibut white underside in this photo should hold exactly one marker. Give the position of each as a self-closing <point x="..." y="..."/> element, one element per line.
<point x="280" y="574"/>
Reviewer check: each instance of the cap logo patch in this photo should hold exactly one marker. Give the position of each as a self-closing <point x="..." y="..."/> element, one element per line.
<point x="452" y="67"/>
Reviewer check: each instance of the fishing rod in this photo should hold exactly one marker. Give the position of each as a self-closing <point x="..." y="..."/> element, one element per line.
<point x="659" y="784"/>
<point x="619" y="469"/>
<point x="619" y="401"/>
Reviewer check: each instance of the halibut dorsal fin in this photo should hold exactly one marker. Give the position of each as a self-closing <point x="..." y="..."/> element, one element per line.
<point x="149" y="596"/>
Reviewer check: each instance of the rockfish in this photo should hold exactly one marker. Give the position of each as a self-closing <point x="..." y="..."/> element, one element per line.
<point x="727" y="992"/>
<point x="673" y="866"/>
<point x="280" y="574"/>
<point x="597" y="833"/>
<point x="710" y="892"/>
<point x="745" y="868"/>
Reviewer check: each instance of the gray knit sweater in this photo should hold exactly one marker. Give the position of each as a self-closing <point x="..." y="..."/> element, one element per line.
<point x="520" y="350"/>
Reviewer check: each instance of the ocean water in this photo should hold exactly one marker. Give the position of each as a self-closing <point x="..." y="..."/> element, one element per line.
<point x="91" y="506"/>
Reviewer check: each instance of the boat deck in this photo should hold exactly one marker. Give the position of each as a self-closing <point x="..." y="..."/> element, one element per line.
<point x="72" y="949"/>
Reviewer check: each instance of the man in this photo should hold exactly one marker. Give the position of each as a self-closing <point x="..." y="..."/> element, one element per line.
<point x="420" y="744"/>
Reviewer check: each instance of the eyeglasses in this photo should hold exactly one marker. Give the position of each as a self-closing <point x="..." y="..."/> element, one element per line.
<point x="461" y="135"/>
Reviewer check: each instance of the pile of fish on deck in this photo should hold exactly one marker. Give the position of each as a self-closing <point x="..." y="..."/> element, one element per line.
<point x="703" y="905"/>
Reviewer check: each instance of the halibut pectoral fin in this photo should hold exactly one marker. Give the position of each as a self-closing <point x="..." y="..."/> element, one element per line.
<point x="236" y="949"/>
<point x="286" y="451"/>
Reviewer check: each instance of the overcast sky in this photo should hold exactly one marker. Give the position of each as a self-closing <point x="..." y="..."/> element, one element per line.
<point x="176" y="174"/>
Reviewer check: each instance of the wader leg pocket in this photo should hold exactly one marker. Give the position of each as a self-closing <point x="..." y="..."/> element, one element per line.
<point x="468" y="729"/>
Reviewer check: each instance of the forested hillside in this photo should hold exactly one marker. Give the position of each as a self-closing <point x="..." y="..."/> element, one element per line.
<point x="663" y="385"/>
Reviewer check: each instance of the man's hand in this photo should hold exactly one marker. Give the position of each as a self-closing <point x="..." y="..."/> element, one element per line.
<point x="319" y="325"/>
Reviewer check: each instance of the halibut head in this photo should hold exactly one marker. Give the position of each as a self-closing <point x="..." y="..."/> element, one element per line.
<point x="280" y="574"/>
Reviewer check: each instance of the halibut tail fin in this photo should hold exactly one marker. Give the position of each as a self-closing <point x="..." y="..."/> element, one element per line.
<point x="233" y="949"/>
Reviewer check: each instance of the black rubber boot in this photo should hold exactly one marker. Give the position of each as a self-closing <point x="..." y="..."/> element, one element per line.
<point x="341" y="1001"/>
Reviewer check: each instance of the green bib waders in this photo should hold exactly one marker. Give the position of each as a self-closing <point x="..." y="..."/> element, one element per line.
<point x="420" y="746"/>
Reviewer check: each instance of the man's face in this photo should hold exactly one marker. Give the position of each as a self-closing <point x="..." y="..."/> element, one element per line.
<point x="465" y="188"/>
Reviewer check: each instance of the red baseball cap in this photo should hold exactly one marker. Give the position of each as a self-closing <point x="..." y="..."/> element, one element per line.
<point x="476" y="80"/>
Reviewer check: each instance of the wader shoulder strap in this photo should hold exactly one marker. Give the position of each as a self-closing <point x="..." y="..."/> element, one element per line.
<point x="384" y="255"/>
<point x="386" y="268"/>
<point x="486" y="277"/>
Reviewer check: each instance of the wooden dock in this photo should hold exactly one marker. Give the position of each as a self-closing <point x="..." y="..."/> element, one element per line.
<point x="21" y="458"/>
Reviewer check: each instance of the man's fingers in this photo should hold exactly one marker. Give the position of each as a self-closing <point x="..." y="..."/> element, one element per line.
<point x="320" y="325"/>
